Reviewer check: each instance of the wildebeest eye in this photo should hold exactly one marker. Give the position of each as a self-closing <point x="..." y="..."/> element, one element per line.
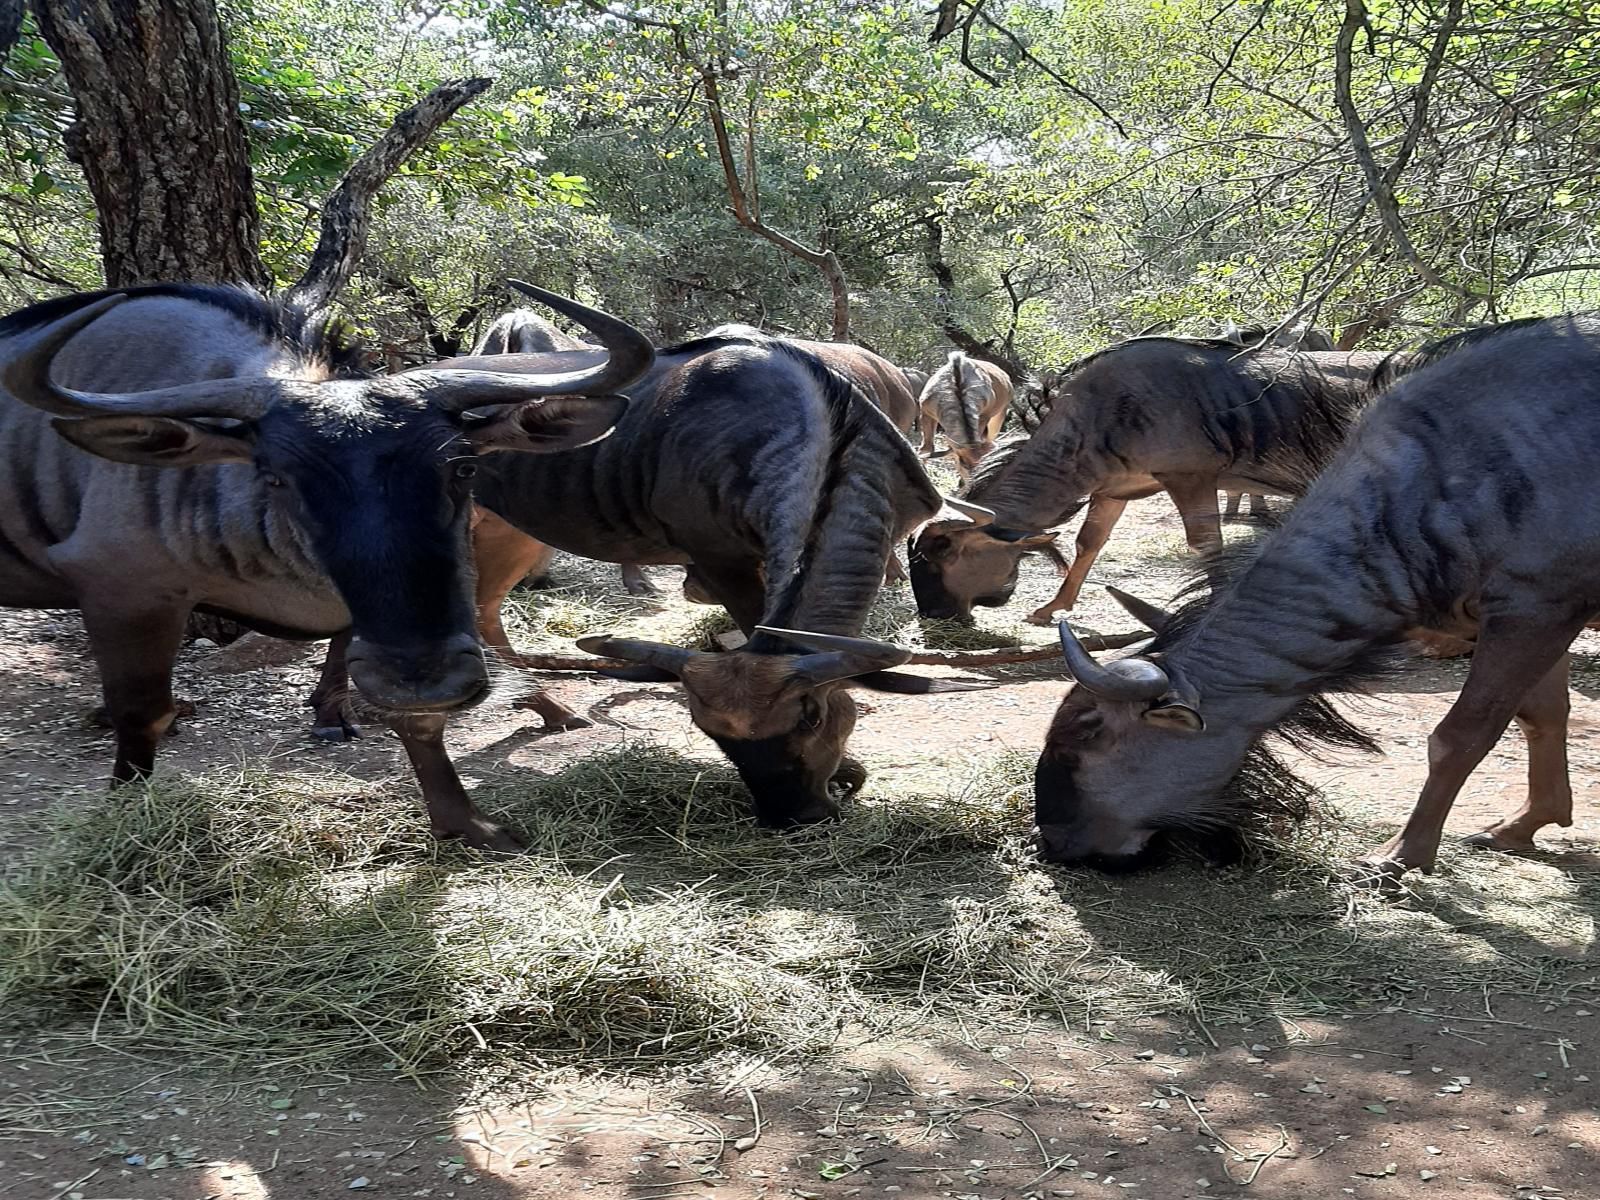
<point x="466" y="470"/>
<point x="810" y="712"/>
<point x="271" y="479"/>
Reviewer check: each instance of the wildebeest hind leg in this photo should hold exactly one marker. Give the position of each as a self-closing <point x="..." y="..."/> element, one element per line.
<point x="737" y="587"/>
<point x="1510" y="652"/>
<point x="1542" y="718"/>
<point x="1196" y="499"/>
<point x="504" y="554"/>
<point x="450" y="810"/>
<point x="331" y="697"/>
<point x="636" y="583"/>
<point x="134" y="652"/>
<point x="1098" y="522"/>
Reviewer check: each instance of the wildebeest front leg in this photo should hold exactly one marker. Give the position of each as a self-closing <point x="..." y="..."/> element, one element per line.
<point x="134" y="652"/>
<point x="1542" y="718"/>
<point x="451" y="812"/>
<point x="1098" y="522"/>
<point x="1232" y="510"/>
<point x="331" y="696"/>
<point x="1510" y="652"/>
<point x="1196" y="499"/>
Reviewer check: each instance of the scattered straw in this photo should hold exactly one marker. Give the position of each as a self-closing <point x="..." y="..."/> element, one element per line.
<point x="309" y="919"/>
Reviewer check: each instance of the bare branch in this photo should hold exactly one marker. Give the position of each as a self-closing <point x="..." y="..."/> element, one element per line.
<point x="740" y="198"/>
<point x="1378" y="182"/>
<point x="1061" y="79"/>
<point x="346" y="215"/>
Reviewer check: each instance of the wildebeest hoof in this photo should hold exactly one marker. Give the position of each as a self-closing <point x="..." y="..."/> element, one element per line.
<point x="342" y="732"/>
<point x="849" y="779"/>
<point x="571" y="721"/>
<point x="640" y="587"/>
<point x="480" y="833"/>
<point x="1491" y="839"/>
<point x="1381" y="875"/>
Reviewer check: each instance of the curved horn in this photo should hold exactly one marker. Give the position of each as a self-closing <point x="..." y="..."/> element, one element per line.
<point x="1124" y="679"/>
<point x="660" y="655"/>
<point x="629" y="355"/>
<point x="25" y="374"/>
<point x="834" y="656"/>
<point x="1151" y="616"/>
<point x="980" y="514"/>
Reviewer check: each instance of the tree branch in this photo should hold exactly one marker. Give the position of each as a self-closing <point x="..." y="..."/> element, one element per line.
<point x="979" y="14"/>
<point x="824" y="260"/>
<point x="961" y="337"/>
<point x="348" y="211"/>
<point x="1379" y="183"/>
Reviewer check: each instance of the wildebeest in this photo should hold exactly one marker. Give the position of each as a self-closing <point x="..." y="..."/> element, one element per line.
<point x="523" y="331"/>
<point x="885" y="384"/>
<point x="785" y="488"/>
<point x="1289" y="339"/>
<point x="1184" y="415"/>
<point x="303" y="504"/>
<point x="1464" y="500"/>
<point x="968" y="399"/>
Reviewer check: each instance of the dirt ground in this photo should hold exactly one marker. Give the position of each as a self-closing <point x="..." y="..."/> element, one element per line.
<point x="1472" y="1096"/>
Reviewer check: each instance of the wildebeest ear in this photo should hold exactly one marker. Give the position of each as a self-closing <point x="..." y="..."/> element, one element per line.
<point x="1175" y="715"/>
<point x="548" y="425"/>
<point x="156" y="441"/>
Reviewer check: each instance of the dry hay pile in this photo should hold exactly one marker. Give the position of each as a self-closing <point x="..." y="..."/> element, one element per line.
<point x="310" y="920"/>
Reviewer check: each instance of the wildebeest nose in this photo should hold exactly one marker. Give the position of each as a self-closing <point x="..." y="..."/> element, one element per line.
<point x="441" y="676"/>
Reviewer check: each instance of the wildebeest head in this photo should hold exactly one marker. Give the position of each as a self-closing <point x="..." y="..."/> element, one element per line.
<point x="782" y="718"/>
<point x="372" y="476"/>
<point x="1131" y="758"/>
<point x="960" y="560"/>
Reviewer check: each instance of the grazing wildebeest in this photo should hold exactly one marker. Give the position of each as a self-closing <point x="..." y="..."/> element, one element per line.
<point x="1183" y="415"/>
<point x="306" y="504"/>
<point x="786" y="489"/>
<point x="1463" y="500"/>
<point x="968" y="399"/>
<point x="885" y="384"/>
<point x="523" y="331"/>
<point x="1303" y="338"/>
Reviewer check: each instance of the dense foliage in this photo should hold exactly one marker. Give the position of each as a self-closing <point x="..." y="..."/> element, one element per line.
<point x="1047" y="176"/>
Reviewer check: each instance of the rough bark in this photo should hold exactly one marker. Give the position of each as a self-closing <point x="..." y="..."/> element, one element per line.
<point x="348" y="211"/>
<point x="159" y="138"/>
<point x="10" y="25"/>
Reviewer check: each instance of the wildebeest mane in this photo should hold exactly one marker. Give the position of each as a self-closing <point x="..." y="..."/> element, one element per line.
<point x="1401" y="363"/>
<point x="993" y="463"/>
<point x="318" y="341"/>
<point x="849" y="413"/>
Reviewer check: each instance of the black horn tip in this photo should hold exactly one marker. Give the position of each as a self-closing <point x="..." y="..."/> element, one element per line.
<point x="595" y="643"/>
<point x="1149" y="615"/>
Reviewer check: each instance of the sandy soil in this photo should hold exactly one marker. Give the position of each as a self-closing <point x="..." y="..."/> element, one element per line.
<point x="1467" y="1096"/>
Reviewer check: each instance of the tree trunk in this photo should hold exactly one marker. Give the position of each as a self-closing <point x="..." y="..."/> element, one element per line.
<point x="10" y="25"/>
<point x="159" y="138"/>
